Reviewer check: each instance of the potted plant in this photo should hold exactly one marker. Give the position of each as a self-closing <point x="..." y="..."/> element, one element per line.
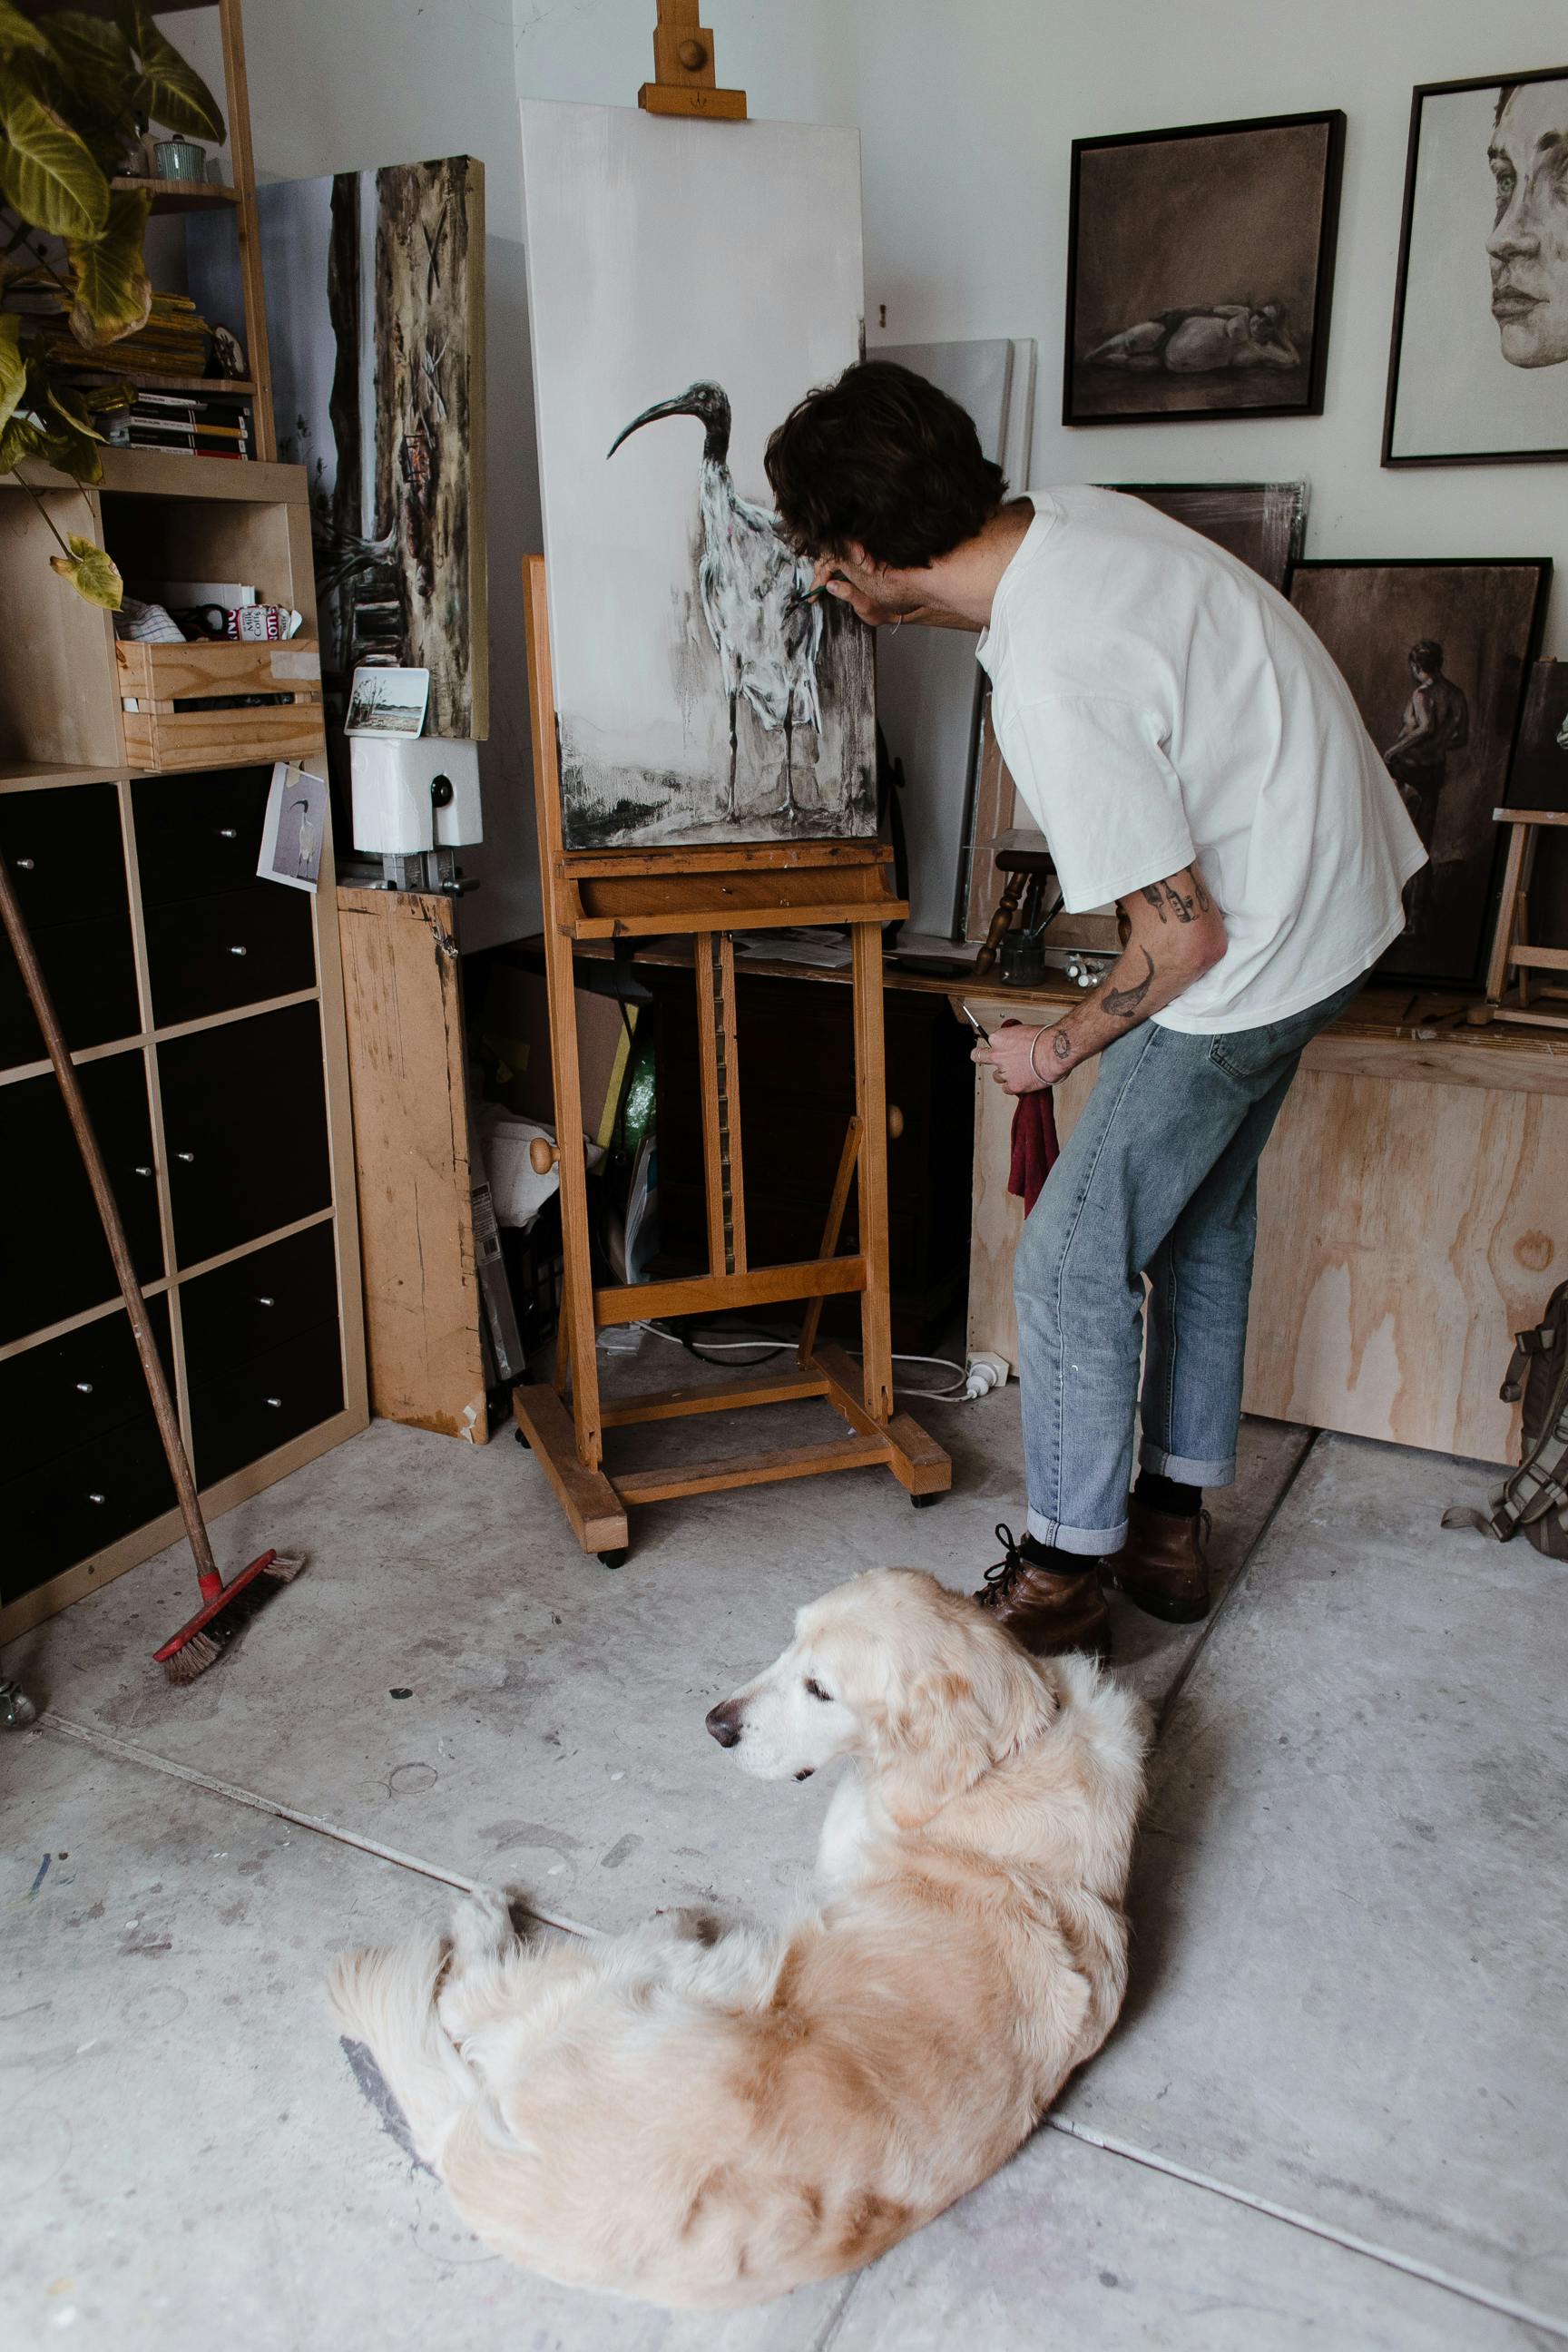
<point x="76" y="92"/>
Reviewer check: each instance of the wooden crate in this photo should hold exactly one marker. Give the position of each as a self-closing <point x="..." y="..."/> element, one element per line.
<point x="173" y="698"/>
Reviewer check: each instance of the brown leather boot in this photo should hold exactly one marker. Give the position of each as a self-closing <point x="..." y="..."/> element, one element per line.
<point x="1049" y="1613"/>
<point x="1164" y="1564"/>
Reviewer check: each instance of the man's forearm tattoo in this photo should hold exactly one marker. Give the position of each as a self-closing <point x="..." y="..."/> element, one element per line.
<point x="1061" y="1043"/>
<point x="1122" y="1003"/>
<point x="1164" y="895"/>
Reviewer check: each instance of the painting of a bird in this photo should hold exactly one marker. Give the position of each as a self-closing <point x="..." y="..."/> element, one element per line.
<point x="755" y="593"/>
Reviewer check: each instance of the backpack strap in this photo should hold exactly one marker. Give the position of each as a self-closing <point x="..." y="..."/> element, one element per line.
<point x="1538" y="1342"/>
<point x="1538" y="1487"/>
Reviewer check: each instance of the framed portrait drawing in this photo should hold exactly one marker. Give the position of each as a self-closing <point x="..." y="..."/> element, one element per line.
<point x="1437" y="653"/>
<point x="1478" y="371"/>
<point x="1261" y="523"/>
<point x="1200" y="270"/>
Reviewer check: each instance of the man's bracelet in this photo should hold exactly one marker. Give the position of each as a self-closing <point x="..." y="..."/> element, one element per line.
<point x="1034" y="1066"/>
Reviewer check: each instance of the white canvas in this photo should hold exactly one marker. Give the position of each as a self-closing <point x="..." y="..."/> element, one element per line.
<point x="662" y="255"/>
<point x="1457" y="395"/>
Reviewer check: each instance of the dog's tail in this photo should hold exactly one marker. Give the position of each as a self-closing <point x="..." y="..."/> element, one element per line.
<point x="386" y="1999"/>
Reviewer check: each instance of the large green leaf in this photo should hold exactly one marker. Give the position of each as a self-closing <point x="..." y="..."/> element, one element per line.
<point x="72" y="453"/>
<point x="23" y="438"/>
<point x="80" y="39"/>
<point x="113" y="292"/>
<point x="13" y="366"/>
<point x="172" y="91"/>
<point x="45" y="170"/>
<point x="73" y="409"/>
<point x="102" y="69"/>
<point x="91" y="572"/>
<point x="19" y="32"/>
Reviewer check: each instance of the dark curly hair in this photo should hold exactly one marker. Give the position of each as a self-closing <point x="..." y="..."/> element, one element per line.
<point x="882" y="460"/>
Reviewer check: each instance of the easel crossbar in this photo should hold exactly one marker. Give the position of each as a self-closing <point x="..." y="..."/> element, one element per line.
<point x="750" y="1470"/>
<point x="717" y="1294"/>
<point x="714" y="1396"/>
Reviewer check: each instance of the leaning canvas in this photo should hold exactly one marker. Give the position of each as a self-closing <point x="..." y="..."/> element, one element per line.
<point x="687" y="282"/>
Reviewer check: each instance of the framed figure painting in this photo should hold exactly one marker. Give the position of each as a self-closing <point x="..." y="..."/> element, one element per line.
<point x="1200" y="270"/>
<point x="1437" y="653"/>
<point x="1478" y="373"/>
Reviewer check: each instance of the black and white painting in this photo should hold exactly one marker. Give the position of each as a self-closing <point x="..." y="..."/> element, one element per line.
<point x="688" y="281"/>
<point x="1200" y="270"/>
<point x="1479" y="368"/>
<point x="1437" y="655"/>
<point x="376" y="328"/>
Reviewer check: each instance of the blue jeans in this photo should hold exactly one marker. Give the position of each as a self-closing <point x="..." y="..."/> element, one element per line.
<point x="1159" y="1177"/>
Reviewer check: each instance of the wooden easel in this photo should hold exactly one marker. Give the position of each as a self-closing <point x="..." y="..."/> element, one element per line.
<point x="1513" y="959"/>
<point x="705" y="893"/>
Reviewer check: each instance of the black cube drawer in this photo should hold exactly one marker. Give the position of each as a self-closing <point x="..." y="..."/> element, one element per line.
<point x="211" y="955"/>
<point x="259" y="1302"/>
<point x="245" y="1119"/>
<point x="53" y="1260"/>
<point x="90" y="970"/>
<point x="65" y="1511"/>
<point x="63" y="852"/>
<point x="200" y="835"/>
<point x="67" y="1392"/>
<point x="245" y="1411"/>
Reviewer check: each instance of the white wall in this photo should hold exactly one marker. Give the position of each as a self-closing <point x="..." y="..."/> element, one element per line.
<point x="348" y="85"/>
<point x="966" y="109"/>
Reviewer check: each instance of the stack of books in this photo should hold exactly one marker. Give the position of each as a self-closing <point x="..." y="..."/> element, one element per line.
<point x="204" y="422"/>
<point x="175" y="342"/>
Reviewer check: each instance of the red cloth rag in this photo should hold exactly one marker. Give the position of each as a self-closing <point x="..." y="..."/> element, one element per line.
<point x="1035" y="1146"/>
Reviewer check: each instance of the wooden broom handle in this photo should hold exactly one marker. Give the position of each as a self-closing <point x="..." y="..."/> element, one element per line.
<point x="37" y="990"/>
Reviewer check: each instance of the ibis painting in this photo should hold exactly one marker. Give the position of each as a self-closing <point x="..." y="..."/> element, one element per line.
<point x="687" y="282"/>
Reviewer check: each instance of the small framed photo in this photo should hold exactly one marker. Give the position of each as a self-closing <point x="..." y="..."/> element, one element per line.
<point x="385" y="700"/>
<point x="294" y="829"/>
<point x="1200" y="270"/>
<point x="1436" y="652"/>
<point x="1478" y="371"/>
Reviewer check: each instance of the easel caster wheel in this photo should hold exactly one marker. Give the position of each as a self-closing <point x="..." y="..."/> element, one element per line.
<point x="522" y="1436"/>
<point x="614" y="1559"/>
<point x="924" y="1502"/>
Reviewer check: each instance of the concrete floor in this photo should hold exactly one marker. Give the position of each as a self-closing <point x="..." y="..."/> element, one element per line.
<point x="1334" y="2114"/>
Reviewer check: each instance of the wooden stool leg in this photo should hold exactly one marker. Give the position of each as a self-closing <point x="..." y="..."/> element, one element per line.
<point x="1001" y="924"/>
<point x="1506" y="913"/>
<point x="871" y="1102"/>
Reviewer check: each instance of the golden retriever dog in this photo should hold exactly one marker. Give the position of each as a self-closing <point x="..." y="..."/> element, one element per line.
<point x="707" y="2120"/>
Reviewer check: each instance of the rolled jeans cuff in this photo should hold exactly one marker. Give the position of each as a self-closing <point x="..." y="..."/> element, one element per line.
<point x="1185" y="1468"/>
<point x="1092" y="1543"/>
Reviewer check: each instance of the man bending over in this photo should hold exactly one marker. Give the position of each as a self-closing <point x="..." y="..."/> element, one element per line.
<point x="1189" y="750"/>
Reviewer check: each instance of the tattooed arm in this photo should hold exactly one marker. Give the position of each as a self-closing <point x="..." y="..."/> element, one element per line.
<point x="1175" y="934"/>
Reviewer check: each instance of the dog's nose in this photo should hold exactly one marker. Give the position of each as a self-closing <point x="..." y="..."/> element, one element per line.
<point x="725" y="1723"/>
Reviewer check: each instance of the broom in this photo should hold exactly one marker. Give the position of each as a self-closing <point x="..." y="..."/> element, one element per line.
<point x="226" y="1608"/>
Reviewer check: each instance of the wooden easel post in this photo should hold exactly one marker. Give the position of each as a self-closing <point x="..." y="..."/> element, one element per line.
<point x="705" y="893"/>
<point x="683" y="79"/>
<point x="1513" y="958"/>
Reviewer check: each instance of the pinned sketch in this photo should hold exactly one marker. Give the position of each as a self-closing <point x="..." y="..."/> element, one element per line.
<point x="688" y="283"/>
<point x="294" y="828"/>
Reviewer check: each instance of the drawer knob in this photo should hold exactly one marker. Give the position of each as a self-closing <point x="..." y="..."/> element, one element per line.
<point x="236" y="951"/>
<point x="228" y="832"/>
<point x="266" y="1302"/>
<point x="188" y="1157"/>
<point x="141" y="1172"/>
<point x="98" y="1499"/>
<point x="84" y="1388"/>
<point x="23" y="865"/>
<point x="276" y="1402"/>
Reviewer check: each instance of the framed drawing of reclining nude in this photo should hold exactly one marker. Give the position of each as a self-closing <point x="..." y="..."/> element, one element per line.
<point x="1478" y="373"/>
<point x="1200" y="270"/>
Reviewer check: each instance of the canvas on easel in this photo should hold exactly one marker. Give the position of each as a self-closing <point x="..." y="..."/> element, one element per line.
<point x="688" y="281"/>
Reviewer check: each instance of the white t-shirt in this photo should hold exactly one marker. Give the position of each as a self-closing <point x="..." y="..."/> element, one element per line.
<point x="1157" y="702"/>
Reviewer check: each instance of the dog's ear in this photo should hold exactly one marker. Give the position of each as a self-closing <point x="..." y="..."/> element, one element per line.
<point x="950" y="1725"/>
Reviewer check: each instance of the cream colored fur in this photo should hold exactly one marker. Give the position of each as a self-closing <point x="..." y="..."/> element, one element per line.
<point x="707" y="2121"/>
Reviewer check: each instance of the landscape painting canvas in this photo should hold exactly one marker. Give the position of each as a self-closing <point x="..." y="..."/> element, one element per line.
<point x="1200" y="270"/>
<point x="1261" y="523"/>
<point x="688" y="281"/>
<point x="1437" y="655"/>
<point x="1479" y="368"/>
<point x="376" y="328"/>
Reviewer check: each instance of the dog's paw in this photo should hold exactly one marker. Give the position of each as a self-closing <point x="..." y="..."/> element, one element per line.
<point x="481" y="1929"/>
<point x="689" y="1923"/>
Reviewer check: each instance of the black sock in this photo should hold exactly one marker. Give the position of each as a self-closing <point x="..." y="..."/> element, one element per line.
<point x="1060" y="1563"/>
<point x="1163" y="1494"/>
